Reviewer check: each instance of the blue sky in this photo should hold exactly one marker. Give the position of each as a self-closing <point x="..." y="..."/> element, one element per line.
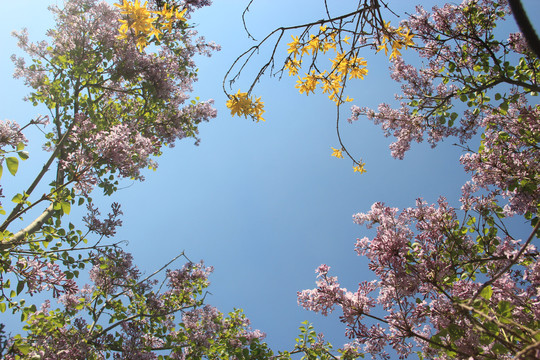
<point x="264" y="203"/>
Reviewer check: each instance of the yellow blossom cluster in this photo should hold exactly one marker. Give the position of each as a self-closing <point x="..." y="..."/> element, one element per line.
<point x="346" y="64"/>
<point x="357" y="167"/>
<point x="331" y="81"/>
<point x="242" y="104"/>
<point x="397" y="39"/>
<point x="143" y="23"/>
<point x="337" y="153"/>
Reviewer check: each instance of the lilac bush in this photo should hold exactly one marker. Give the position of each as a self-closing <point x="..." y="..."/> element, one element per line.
<point x="454" y="282"/>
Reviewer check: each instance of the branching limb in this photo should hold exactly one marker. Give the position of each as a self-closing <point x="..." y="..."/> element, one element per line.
<point x="510" y="264"/>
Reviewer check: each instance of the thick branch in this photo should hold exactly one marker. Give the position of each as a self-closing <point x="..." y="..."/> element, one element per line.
<point x="16" y="210"/>
<point x="30" y="229"/>
<point x="525" y="26"/>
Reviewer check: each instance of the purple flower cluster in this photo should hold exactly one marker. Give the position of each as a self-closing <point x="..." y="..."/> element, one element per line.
<point x="106" y="227"/>
<point x="41" y="275"/>
<point x="422" y="258"/>
<point x="10" y="134"/>
<point x="142" y="97"/>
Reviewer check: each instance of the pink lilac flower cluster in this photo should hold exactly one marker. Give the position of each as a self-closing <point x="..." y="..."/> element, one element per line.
<point x="106" y="227"/>
<point x="127" y="316"/>
<point x="429" y="263"/>
<point x="142" y="97"/>
<point x="202" y="324"/>
<point x="456" y="37"/>
<point x="206" y="325"/>
<point x="189" y="280"/>
<point x="508" y="161"/>
<point x="112" y="268"/>
<point x="10" y="134"/>
<point x="422" y="258"/>
<point x="41" y="275"/>
<point x="68" y="344"/>
<point x="118" y="148"/>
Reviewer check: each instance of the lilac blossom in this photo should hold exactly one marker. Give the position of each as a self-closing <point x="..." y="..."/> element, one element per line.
<point x="10" y="134"/>
<point x="421" y="281"/>
<point x="142" y="97"/>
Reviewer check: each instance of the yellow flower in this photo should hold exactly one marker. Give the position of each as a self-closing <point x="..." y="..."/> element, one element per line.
<point x="308" y="83"/>
<point x="180" y="15"/>
<point x="346" y="40"/>
<point x="327" y="45"/>
<point x="168" y="16"/>
<point x="407" y="38"/>
<point x="141" y="43"/>
<point x="340" y="63"/>
<point x="327" y="86"/>
<point x="383" y="46"/>
<point x="140" y="20"/>
<point x="294" y="45"/>
<point x="337" y="153"/>
<point x="359" y="168"/>
<point x="313" y="44"/>
<point x="334" y="84"/>
<point x="241" y="104"/>
<point x="358" y="72"/>
<point x="292" y="65"/>
<point x="323" y="28"/>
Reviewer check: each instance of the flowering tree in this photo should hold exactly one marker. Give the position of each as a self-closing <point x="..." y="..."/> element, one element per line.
<point x="115" y="98"/>
<point x="452" y="282"/>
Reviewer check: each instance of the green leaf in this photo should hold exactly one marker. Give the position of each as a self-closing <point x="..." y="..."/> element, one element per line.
<point x="23" y="155"/>
<point x="12" y="164"/>
<point x="1" y="170"/>
<point x="2" y="307"/>
<point x="20" y="146"/>
<point x="17" y="199"/>
<point x="505" y="308"/>
<point x="20" y="287"/>
<point x="66" y="207"/>
<point x="24" y="349"/>
<point x="487" y="292"/>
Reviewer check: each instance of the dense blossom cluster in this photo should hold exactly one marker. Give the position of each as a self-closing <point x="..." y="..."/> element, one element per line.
<point x="507" y="162"/>
<point x="142" y="23"/>
<point x="40" y="275"/>
<point x="11" y="134"/>
<point x="427" y="281"/>
<point x="142" y="98"/>
<point x="141" y="319"/>
<point x="451" y="288"/>
<point x="242" y="104"/>
<point x="107" y="227"/>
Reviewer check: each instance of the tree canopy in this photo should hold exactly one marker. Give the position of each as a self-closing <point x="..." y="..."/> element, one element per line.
<point x="452" y="281"/>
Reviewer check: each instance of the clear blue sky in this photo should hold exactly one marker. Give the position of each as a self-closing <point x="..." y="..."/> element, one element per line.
<point x="264" y="203"/>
